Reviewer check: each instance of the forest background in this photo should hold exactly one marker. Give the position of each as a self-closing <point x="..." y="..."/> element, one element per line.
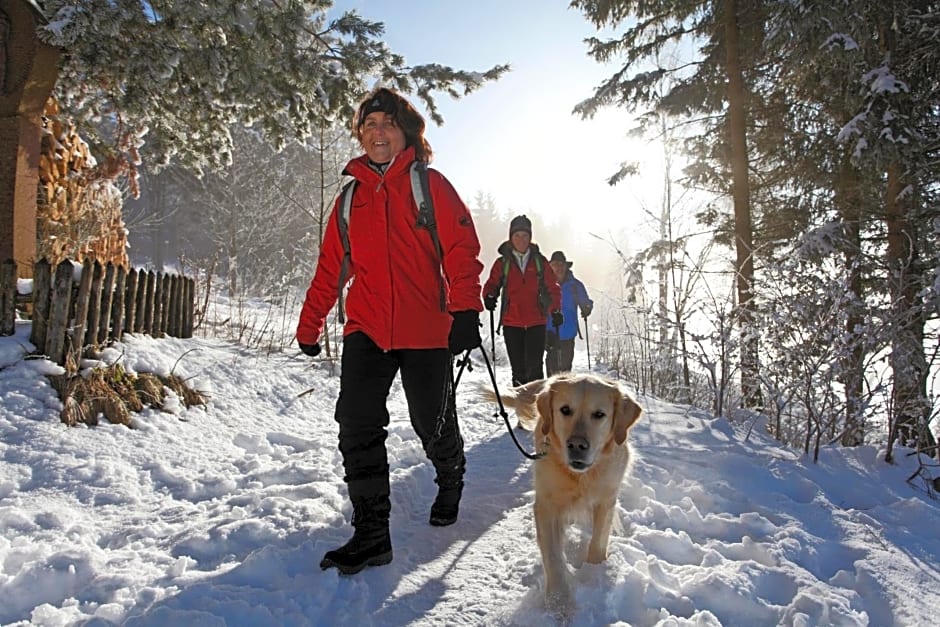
<point x="788" y="264"/>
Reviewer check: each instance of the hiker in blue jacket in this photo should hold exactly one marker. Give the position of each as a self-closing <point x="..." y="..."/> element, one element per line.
<point x="559" y="340"/>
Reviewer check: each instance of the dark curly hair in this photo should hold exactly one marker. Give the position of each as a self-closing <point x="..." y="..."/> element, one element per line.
<point x="405" y="115"/>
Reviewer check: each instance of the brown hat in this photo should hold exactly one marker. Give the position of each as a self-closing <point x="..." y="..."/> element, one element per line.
<point x="560" y="256"/>
<point x="520" y="223"/>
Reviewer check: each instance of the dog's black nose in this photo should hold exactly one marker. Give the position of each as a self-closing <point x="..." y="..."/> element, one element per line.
<point x="578" y="444"/>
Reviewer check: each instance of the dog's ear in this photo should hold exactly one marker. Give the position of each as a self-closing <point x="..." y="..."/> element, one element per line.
<point x="627" y="413"/>
<point x="544" y="404"/>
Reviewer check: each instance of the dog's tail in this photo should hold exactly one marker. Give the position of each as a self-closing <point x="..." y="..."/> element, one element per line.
<point x="520" y="398"/>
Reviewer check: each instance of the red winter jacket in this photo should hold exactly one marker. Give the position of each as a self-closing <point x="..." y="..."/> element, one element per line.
<point x="394" y="297"/>
<point x="521" y="295"/>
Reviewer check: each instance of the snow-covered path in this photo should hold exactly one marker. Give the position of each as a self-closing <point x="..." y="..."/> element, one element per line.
<point x="219" y="516"/>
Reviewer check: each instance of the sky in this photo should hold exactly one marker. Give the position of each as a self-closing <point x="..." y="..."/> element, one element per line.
<point x="219" y="515"/>
<point x="517" y="139"/>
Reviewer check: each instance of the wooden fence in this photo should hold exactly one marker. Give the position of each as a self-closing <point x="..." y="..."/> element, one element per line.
<point x="73" y="318"/>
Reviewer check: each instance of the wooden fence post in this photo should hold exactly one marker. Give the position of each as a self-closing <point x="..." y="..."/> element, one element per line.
<point x="148" y="303"/>
<point x="188" y="304"/>
<point x="157" y="305"/>
<point x="8" y="297"/>
<point x="164" y="315"/>
<point x="60" y="304"/>
<point x="94" y="306"/>
<point x="42" y="281"/>
<point x="117" y="305"/>
<point x="172" y="323"/>
<point x="141" y="300"/>
<point x="107" y="296"/>
<point x="130" y="300"/>
<point x="77" y="334"/>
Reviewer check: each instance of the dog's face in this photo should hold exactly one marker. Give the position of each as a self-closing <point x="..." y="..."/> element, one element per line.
<point x="584" y="416"/>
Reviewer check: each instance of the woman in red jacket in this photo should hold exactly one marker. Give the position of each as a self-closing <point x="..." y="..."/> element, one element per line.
<point x="530" y="293"/>
<point x="409" y="308"/>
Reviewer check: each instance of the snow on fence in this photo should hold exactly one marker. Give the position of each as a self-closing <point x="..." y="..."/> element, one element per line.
<point x="76" y="309"/>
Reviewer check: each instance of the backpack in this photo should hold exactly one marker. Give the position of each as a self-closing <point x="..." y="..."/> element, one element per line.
<point x="421" y="190"/>
<point x="545" y="299"/>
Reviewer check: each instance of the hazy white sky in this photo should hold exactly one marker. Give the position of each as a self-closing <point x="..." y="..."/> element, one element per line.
<point x="517" y="139"/>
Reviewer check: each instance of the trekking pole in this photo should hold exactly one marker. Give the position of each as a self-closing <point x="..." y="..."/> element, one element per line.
<point x="502" y="412"/>
<point x="587" y="340"/>
<point x="493" y="335"/>
<point x="463" y="362"/>
<point x="551" y="351"/>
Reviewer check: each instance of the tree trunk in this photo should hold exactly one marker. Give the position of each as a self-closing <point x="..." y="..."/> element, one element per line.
<point x="853" y="373"/>
<point x="910" y="405"/>
<point x="665" y="262"/>
<point x="740" y="192"/>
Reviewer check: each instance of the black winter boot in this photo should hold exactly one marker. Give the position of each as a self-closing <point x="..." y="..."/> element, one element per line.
<point x="371" y="544"/>
<point x="366" y="548"/>
<point x="447" y="504"/>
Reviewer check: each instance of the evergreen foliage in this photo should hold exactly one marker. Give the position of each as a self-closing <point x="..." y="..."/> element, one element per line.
<point x="179" y="74"/>
<point x="843" y="132"/>
<point x="713" y="90"/>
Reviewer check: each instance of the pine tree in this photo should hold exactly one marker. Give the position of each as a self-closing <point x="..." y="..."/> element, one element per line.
<point x="862" y="112"/>
<point x="899" y="127"/>
<point x="714" y="88"/>
<point x="816" y="185"/>
<point x="842" y="133"/>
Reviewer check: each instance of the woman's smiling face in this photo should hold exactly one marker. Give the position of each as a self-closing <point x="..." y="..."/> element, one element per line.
<point x="381" y="137"/>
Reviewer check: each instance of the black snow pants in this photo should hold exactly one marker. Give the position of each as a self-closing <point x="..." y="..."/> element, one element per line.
<point x="362" y="414"/>
<point x="525" y="346"/>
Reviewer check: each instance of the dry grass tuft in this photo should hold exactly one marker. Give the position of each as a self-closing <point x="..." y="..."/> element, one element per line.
<point x="149" y="389"/>
<point x="72" y="412"/>
<point x="115" y="410"/>
<point x="123" y="384"/>
<point x="113" y="393"/>
<point x="189" y="396"/>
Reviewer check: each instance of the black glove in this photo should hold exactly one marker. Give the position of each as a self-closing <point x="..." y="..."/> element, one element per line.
<point x="311" y="350"/>
<point x="464" y="331"/>
<point x="489" y="301"/>
<point x="557" y="319"/>
<point x="586" y="310"/>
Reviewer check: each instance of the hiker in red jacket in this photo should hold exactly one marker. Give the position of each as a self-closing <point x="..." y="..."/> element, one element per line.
<point x="530" y="296"/>
<point x="409" y="309"/>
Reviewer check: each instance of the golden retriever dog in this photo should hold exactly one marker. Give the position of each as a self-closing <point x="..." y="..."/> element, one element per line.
<point x="580" y="423"/>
